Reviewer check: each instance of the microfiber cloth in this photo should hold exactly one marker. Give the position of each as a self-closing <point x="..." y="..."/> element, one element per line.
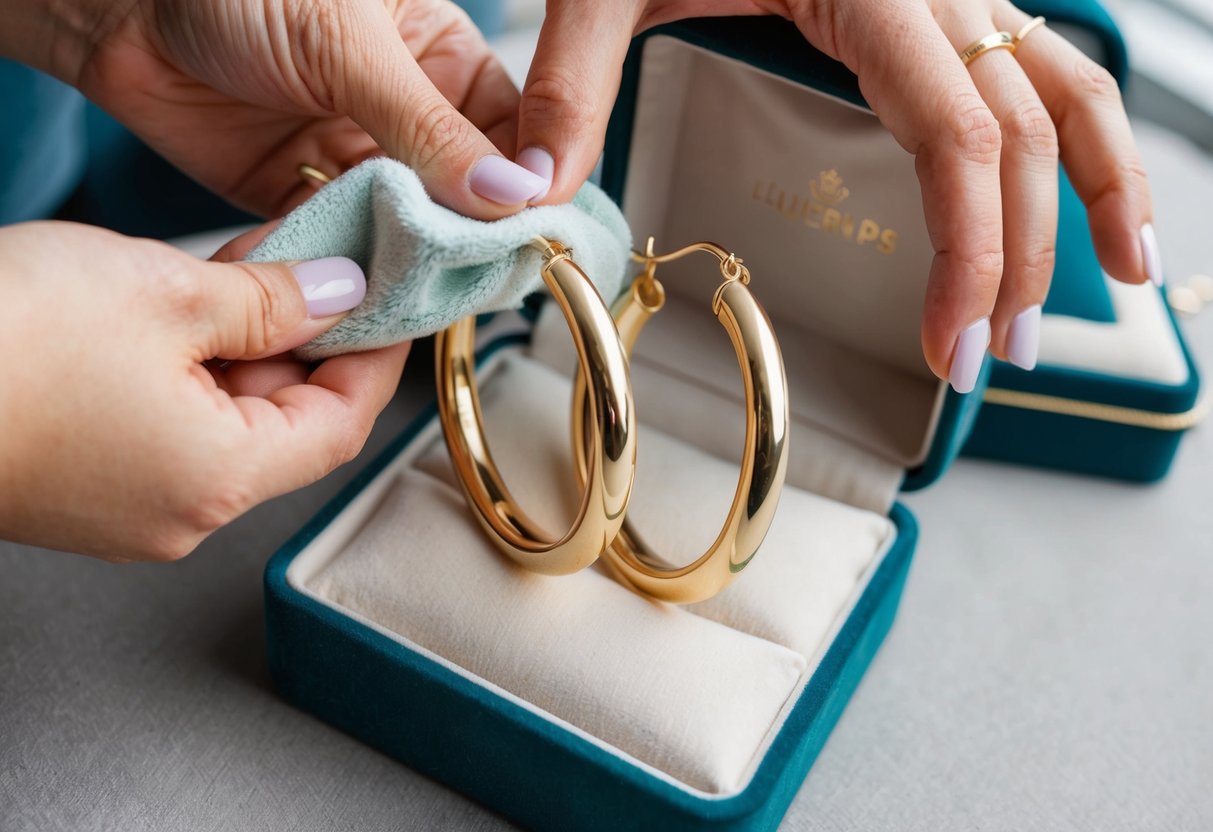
<point x="427" y="266"/>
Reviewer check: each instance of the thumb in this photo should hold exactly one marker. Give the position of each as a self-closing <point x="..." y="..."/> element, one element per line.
<point x="252" y="310"/>
<point x="389" y="95"/>
<point x="569" y="92"/>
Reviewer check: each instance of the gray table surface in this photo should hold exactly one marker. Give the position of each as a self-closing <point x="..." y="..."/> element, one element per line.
<point x="1050" y="668"/>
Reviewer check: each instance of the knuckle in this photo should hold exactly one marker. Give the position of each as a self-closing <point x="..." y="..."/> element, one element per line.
<point x="209" y="489"/>
<point x="974" y="131"/>
<point x="983" y="268"/>
<point x="1032" y="131"/>
<point x="823" y="19"/>
<point x="555" y="96"/>
<point x="1126" y="179"/>
<point x="1094" y="81"/>
<point x="437" y="132"/>
<point x="322" y="36"/>
<point x="1132" y="175"/>
<point x="271" y="313"/>
<point x="1039" y="260"/>
<point x="181" y="292"/>
<point x="216" y="505"/>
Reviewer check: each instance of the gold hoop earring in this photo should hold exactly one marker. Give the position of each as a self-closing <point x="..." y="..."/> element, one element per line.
<point x="765" y="458"/>
<point x="609" y="437"/>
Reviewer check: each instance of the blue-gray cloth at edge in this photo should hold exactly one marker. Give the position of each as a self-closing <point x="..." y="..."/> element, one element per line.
<point x="427" y="266"/>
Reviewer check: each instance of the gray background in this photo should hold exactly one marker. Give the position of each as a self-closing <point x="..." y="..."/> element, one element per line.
<point x="1050" y="667"/>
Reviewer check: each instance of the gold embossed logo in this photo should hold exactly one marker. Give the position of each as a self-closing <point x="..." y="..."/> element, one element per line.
<point x="821" y="210"/>
<point x="827" y="188"/>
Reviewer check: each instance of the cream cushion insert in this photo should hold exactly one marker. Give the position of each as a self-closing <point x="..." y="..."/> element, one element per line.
<point x="693" y="694"/>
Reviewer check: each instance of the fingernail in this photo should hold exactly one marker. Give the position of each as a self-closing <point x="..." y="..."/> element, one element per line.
<point x="1149" y="254"/>
<point x="968" y="355"/>
<point x="330" y="285"/>
<point x="539" y="162"/>
<point x="502" y="181"/>
<point x="1023" y="338"/>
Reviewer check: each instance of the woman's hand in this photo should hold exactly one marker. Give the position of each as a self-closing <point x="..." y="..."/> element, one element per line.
<point x="239" y="93"/>
<point x="986" y="139"/>
<point x="118" y="441"/>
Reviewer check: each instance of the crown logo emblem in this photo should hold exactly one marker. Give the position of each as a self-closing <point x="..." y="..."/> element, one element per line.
<point x="828" y="189"/>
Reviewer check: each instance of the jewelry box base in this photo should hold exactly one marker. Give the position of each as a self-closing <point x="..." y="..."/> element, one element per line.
<point x="509" y="755"/>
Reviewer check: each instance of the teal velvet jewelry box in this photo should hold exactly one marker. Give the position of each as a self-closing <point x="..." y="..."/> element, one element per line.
<point x="570" y="703"/>
<point x="1116" y="386"/>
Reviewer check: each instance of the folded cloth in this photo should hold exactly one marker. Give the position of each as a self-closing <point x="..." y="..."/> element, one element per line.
<point x="427" y="266"/>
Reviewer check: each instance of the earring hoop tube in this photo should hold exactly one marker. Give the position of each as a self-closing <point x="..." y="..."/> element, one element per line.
<point x="765" y="455"/>
<point x="610" y="438"/>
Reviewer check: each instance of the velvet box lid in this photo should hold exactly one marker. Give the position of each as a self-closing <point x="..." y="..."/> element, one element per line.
<point x="816" y="185"/>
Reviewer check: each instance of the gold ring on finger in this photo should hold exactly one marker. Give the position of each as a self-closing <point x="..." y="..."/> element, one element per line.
<point x="1018" y="37"/>
<point x="997" y="40"/>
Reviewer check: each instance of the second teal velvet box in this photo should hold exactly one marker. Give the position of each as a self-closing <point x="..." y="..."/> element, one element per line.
<point x="1116" y="387"/>
<point x="570" y="703"/>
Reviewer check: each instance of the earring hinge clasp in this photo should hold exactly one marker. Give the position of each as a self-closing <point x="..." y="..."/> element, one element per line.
<point x="647" y="285"/>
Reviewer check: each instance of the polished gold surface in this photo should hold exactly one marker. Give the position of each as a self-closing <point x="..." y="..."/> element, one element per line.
<point x="997" y="40"/>
<point x="609" y="435"/>
<point x="765" y="455"/>
<point x="1027" y="29"/>
<point x="314" y="175"/>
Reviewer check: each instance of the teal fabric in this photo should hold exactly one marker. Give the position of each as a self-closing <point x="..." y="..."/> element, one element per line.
<point x="42" y="143"/>
<point x="957" y="420"/>
<point x="63" y="158"/>
<point x="427" y="266"/>
<point x="529" y="769"/>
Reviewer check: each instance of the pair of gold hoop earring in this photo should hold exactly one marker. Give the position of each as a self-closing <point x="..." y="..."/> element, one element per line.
<point x="604" y="432"/>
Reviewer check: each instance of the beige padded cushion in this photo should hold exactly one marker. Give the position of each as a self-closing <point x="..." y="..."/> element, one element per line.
<point x="695" y="692"/>
<point x="688" y="696"/>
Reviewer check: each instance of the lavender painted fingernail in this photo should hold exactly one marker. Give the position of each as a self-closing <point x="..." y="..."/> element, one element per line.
<point x="504" y="182"/>
<point x="968" y="355"/>
<point x="1023" y="338"/>
<point x="539" y="162"/>
<point x="1150" y="254"/>
<point x="330" y="285"/>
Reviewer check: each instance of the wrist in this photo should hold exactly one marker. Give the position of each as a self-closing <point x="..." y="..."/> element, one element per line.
<point x="58" y="36"/>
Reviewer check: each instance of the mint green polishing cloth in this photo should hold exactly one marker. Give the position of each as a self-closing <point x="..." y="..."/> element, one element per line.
<point x="427" y="266"/>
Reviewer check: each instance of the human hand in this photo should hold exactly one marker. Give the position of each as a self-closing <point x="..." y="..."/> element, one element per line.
<point x="239" y="93"/>
<point x="118" y="441"/>
<point x="985" y="138"/>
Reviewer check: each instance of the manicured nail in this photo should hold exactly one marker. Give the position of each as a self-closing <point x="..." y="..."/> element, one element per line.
<point x="502" y="181"/>
<point x="968" y="355"/>
<point x="1149" y="254"/>
<point x="539" y="162"/>
<point x="330" y="285"/>
<point x="1023" y="338"/>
